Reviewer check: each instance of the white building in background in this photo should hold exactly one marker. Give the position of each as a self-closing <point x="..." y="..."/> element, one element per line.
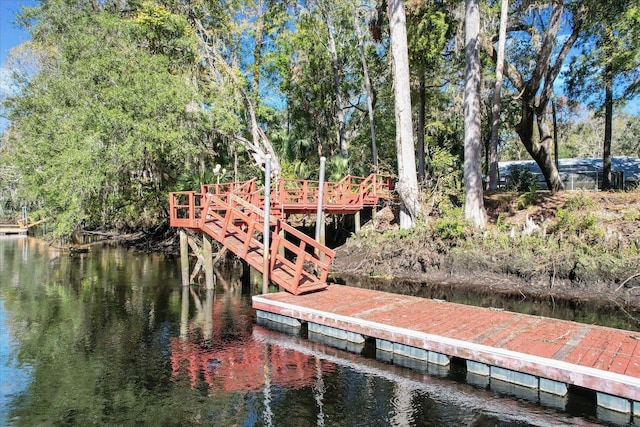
<point x="581" y="173"/>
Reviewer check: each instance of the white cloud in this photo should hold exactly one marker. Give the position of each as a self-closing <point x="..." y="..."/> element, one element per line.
<point x="7" y="85"/>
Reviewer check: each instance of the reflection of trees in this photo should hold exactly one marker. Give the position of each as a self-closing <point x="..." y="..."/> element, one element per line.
<point x="94" y="330"/>
<point x="97" y="333"/>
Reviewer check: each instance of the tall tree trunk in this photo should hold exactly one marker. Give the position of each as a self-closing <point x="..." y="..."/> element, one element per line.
<point x="407" y="185"/>
<point x="537" y="90"/>
<point x="495" y="110"/>
<point x="257" y="50"/>
<point x="369" y="91"/>
<point x="474" y="204"/>
<point x="541" y="151"/>
<point x="335" y="68"/>
<point x="608" y="119"/>
<point x="422" y="106"/>
<point x="554" y="114"/>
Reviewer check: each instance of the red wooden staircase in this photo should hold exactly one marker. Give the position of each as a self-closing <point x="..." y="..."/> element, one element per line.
<point x="232" y="213"/>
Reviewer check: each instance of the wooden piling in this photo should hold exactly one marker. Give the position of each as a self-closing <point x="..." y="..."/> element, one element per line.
<point x="207" y="253"/>
<point x="184" y="257"/>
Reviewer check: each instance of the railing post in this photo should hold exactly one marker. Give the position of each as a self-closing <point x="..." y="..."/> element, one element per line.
<point x="266" y="231"/>
<point x="192" y="209"/>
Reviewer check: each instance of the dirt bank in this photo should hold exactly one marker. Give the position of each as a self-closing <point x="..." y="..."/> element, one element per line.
<point x="571" y="246"/>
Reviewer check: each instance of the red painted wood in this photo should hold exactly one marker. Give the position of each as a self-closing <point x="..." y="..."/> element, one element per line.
<point x="232" y="214"/>
<point x="595" y="357"/>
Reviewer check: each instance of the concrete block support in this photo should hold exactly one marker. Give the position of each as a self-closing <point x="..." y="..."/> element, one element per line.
<point x="412" y="352"/>
<point x="341" y="344"/>
<point x="438" y="358"/>
<point x="336" y="333"/>
<point x="553" y="387"/>
<point x="513" y="389"/>
<point x="278" y="318"/>
<point x="614" y="403"/>
<point x="514" y="377"/>
<point x="384" y="345"/>
<point x="477" y="368"/>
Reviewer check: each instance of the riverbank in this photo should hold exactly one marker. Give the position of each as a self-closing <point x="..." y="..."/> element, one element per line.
<point x="571" y="246"/>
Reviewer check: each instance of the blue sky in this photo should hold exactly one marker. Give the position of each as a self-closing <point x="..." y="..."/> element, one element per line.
<point x="10" y="35"/>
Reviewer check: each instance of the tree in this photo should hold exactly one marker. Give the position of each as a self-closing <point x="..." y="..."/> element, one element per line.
<point x="540" y="61"/>
<point x="407" y="185"/>
<point x="609" y="61"/>
<point x="474" y="205"/>
<point x="222" y="75"/>
<point x="335" y="71"/>
<point x="368" y="90"/>
<point x="495" y="109"/>
<point x="428" y="32"/>
<point x="91" y="149"/>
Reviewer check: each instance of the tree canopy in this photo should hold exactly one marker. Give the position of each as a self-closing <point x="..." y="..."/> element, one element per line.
<point x="119" y="102"/>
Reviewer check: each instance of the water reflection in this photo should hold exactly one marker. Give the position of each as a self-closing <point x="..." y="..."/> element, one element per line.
<point x="112" y="338"/>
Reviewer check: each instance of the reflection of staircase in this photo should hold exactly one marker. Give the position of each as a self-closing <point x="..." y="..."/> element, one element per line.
<point x="232" y="214"/>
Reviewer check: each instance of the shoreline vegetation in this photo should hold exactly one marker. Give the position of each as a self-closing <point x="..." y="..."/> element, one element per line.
<point x="580" y="246"/>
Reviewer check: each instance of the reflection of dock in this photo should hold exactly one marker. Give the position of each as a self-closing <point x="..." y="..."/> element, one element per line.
<point x="421" y="378"/>
<point x="547" y="356"/>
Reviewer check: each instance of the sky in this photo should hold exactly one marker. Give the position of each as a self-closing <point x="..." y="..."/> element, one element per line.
<point x="10" y="36"/>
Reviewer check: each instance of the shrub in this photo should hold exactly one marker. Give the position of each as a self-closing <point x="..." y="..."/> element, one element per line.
<point x="520" y="179"/>
<point x="450" y="228"/>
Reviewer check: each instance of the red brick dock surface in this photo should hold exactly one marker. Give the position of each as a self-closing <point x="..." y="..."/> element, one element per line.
<point x="598" y="358"/>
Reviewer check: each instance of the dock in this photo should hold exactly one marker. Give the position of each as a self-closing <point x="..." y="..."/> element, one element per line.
<point x="548" y="356"/>
<point x="12" y="230"/>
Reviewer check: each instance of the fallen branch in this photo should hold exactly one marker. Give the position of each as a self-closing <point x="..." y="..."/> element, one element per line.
<point x="626" y="281"/>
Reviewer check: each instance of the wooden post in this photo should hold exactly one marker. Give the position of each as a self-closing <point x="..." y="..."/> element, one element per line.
<point x="184" y="257"/>
<point x="319" y="215"/>
<point x="207" y="253"/>
<point x="281" y="248"/>
<point x="356" y="219"/>
<point x="267" y="229"/>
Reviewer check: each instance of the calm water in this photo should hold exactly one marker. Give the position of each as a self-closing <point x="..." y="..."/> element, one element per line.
<point x="110" y="338"/>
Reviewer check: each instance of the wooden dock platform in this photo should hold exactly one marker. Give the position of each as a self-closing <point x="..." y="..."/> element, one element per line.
<point x="12" y="230"/>
<point x="548" y="355"/>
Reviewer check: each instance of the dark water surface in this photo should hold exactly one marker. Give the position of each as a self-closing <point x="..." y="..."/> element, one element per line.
<point x="110" y="338"/>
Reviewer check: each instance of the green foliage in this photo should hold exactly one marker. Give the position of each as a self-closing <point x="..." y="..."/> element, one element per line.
<point x="527" y="199"/>
<point x="631" y="215"/>
<point x="446" y="179"/>
<point x="520" y="179"/>
<point x="167" y="33"/>
<point x="450" y="228"/>
<point x="578" y="201"/>
<point x="105" y="153"/>
<point x="609" y="50"/>
<point x="451" y="225"/>
<point x="575" y="222"/>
